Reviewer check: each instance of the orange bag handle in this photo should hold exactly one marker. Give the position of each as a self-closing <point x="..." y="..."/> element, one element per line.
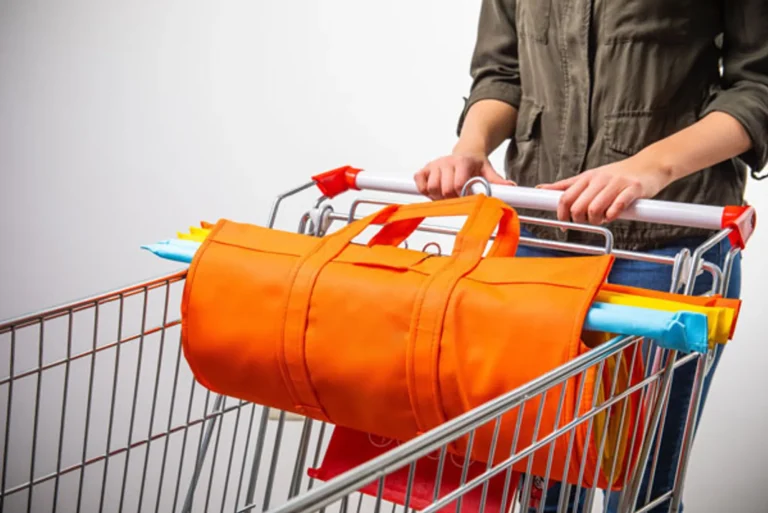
<point x="406" y="219"/>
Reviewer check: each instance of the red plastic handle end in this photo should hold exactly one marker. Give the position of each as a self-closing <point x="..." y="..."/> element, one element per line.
<point x="334" y="182"/>
<point x="743" y="221"/>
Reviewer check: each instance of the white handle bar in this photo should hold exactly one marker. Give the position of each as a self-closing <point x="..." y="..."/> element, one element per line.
<point x="707" y="217"/>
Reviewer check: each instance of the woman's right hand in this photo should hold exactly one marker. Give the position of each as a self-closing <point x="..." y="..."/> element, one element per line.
<point x="446" y="176"/>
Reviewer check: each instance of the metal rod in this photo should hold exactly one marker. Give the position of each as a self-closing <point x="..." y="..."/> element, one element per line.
<point x="588" y="436"/>
<point x="528" y="477"/>
<point x="9" y="409"/>
<point x="89" y="401"/>
<point x="622" y="422"/>
<point x="215" y="456"/>
<point x="689" y="432"/>
<point x="64" y="394"/>
<point x="649" y="211"/>
<point x="281" y="197"/>
<point x="245" y="453"/>
<point x="379" y="494"/>
<point x="38" y="386"/>
<point x="604" y="436"/>
<point x="156" y="388"/>
<point x="512" y="449"/>
<point x="564" y="490"/>
<point x="132" y="421"/>
<point x="465" y="467"/>
<point x="547" y="473"/>
<point x="318" y="446"/>
<point x="301" y="458"/>
<point x="184" y="439"/>
<point x="275" y="456"/>
<point x="439" y="477"/>
<point x="491" y="455"/>
<point x="113" y="402"/>
<point x="235" y="433"/>
<point x="409" y="487"/>
<point x="251" y="491"/>
<point x="201" y="453"/>
<point x="168" y="427"/>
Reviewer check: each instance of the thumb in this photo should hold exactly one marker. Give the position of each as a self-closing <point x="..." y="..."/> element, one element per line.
<point x="493" y="177"/>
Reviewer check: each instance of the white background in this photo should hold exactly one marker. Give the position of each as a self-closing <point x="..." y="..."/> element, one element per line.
<point x="123" y="122"/>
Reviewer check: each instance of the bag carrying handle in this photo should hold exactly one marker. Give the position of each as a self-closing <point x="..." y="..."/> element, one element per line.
<point x="484" y="215"/>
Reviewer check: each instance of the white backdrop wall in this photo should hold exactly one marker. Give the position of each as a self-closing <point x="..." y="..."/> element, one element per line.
<point x="122" y="122"/>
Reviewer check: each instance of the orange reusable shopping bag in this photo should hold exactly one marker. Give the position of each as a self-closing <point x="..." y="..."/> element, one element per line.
<point x="395" y="342"/>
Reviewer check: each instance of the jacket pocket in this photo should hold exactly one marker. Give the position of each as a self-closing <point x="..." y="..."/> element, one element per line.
<point x="661" y="21"/>
<point x="627" y="133"/>
<point x="533" y="19"/>
<point x="524" y="167"/>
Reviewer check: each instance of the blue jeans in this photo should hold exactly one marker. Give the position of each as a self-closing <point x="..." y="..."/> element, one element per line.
<point x="657" y="277"/>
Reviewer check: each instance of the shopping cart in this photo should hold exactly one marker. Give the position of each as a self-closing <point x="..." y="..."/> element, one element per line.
<point x="101" y="413"/>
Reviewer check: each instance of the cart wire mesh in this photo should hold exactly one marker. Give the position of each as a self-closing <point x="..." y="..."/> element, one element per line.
<point x="100" y="412"/>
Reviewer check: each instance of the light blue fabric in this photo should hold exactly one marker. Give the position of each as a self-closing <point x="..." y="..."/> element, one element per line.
<point x="174" y="249"/>
<point x="682" y="331"/>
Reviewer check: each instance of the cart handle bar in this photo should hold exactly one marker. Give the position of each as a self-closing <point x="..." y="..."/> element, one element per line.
<point x="740" y="219"/>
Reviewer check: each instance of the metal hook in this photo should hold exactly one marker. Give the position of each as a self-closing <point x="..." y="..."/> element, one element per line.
<point x="468" y="187"/>
<point x="384" y="443"/>
<point x="432" y="244"/>
<point x="463" y="461"/>
<point x="316" y="221"/>
<point x="303" y="223"/>
<point x="324" y="219"/>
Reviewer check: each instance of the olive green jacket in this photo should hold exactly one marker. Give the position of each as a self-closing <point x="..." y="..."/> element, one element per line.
<point x="595" y="81"/>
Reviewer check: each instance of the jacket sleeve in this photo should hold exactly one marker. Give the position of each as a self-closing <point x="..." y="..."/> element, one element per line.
<point x="494" y="66"/>
<point x="745" y="74"/>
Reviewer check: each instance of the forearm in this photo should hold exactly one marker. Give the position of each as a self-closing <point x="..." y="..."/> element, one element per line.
<point x="711" y="140"/>
<point x="488" y="123"/>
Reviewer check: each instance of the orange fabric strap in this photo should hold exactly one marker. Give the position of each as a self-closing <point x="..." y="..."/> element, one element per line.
<point x="404" y="222"/>
<point x="422" y="357"/>
<point x="292" y="346"/>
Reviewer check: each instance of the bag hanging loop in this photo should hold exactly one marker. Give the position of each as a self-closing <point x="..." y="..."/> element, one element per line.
<point x="468" y="188"/>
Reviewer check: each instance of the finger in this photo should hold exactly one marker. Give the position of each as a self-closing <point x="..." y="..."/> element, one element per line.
<point x="621" y="203"/>
<point x="434" y="182"/>
<point x="421" y="181"/>
<point x="569" y="196"/>
<point x="596" y="210"/>
<point x="447" y="173"/>
<point x="581" y="204"/>
<point x="490" y="174"/>
<point x="560" y="185"/>
<point x="461" y="176"/>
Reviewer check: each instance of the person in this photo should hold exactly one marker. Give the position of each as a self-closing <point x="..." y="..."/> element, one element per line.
<point x="610" y="101"/>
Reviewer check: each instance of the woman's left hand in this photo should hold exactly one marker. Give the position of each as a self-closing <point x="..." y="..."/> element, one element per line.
<point x="601" y="194"/>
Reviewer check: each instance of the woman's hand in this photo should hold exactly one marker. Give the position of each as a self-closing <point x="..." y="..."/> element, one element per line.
<point x="600" y="195"/>
<point x="446" y="176"/>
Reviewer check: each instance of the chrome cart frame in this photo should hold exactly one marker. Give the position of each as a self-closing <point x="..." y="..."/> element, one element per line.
<point x="100" y="412"/>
